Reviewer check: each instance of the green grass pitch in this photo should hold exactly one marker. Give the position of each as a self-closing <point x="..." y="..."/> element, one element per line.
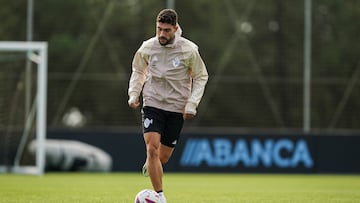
<point x="180" y="188"/>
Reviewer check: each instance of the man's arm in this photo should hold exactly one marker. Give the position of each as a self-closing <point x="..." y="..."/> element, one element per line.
<point x="200" y="76"/>
<point x="137" y="79"/>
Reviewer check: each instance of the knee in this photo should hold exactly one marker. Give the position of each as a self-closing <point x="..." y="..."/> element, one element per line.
<point x="152" y="151"/>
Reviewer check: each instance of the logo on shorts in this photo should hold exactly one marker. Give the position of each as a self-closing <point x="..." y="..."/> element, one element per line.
<point x="147" y="122"/>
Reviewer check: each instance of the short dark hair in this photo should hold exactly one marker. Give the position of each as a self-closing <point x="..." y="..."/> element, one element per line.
<point x="168" y="16"/>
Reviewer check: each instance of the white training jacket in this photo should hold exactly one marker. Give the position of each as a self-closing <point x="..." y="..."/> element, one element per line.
<point x="171" y="77"/>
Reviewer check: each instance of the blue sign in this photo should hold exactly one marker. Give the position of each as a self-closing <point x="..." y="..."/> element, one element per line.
<point x="222" y="152"/>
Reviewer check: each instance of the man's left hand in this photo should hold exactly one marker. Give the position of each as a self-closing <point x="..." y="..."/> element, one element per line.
<point x="187" y="116"/>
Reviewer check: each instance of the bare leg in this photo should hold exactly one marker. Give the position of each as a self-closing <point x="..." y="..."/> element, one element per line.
<point x="154" y="167"/>
<point x="165" y="153"/>
<point x="157" y="154"/>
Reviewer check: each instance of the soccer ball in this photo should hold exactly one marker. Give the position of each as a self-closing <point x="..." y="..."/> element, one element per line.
<point x="147" y="196"/>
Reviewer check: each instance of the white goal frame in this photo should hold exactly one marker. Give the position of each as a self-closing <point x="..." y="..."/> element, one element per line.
<point x="38" y="54"/>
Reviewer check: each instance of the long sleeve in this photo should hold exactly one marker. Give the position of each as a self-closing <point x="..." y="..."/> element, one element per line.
<point x="138" y="75"/>
<point x="200" y="76"/>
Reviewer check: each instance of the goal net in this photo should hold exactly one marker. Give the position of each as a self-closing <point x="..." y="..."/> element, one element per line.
<point x="23" y="86"/>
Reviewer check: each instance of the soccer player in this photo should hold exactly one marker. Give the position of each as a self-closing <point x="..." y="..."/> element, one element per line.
<point x="171" y="75"/>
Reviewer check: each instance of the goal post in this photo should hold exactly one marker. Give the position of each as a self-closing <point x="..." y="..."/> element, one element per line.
<point x="37" y="53"/>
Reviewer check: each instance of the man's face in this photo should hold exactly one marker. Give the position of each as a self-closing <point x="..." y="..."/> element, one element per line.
<point x="165" y="33"/>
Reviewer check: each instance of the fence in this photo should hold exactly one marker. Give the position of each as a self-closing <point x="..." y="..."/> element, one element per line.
<point x="254" y="52"/>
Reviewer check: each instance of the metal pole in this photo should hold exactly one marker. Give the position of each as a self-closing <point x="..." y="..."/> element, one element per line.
<point x="170" y="4"/>
<point x="307" y="66"/>
<point x="29" y="37"/>
<point x="30" y="15"/>
<point x="42" y="106"/>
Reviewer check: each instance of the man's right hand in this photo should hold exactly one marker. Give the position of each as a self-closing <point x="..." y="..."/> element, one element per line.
<point x="134" y="102"/>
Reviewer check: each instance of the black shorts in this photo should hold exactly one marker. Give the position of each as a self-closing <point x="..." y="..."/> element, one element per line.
<point x="167" y="124"/>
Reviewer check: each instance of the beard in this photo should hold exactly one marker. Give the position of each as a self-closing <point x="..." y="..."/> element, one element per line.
<point x="164" y="41"/>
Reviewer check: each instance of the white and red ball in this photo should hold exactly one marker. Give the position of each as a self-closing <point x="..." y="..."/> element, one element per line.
<point x="147" y="196"/>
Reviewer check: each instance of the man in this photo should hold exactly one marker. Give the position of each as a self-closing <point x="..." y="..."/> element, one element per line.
<point x="169" y="71"/>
